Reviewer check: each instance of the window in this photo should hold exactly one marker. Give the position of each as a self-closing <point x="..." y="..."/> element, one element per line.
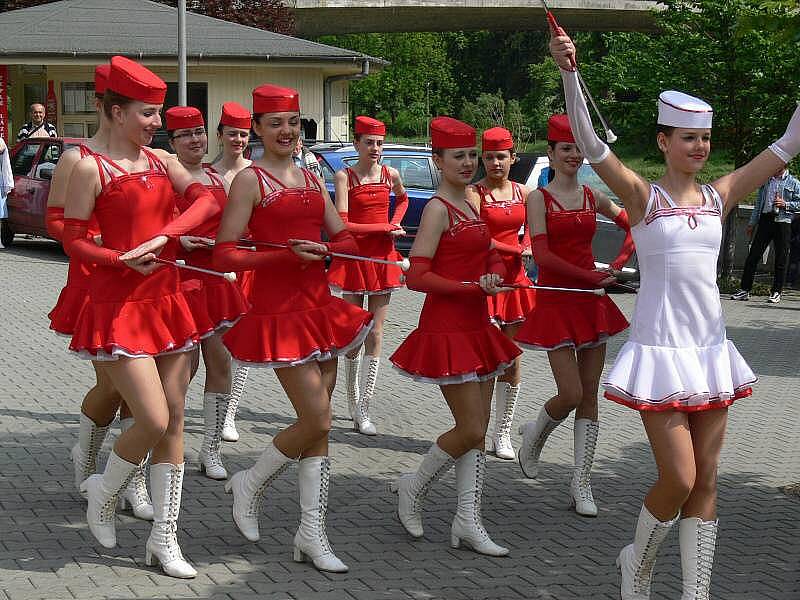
<point x="47" y="160"/>
<point x="24" y="159"/>
<point x="196" y="95"/>
<point x="415" y="171"/>
<point x="327" y="172"/>
<point x="77" y="97"/>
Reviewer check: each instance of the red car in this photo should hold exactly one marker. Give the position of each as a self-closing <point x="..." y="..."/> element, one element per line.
<point x="32" y="162"/>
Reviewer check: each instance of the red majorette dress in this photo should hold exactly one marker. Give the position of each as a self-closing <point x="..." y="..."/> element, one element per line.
<point x="127" y="313"/>
<point x="504" y="220"/>
<point x="294" y="318"/>
<point x="368" y="203"/>
<point x="76" y="292"/>
<point x="215" y="302"/>
<point x="573" y="319"/>
<point x="678" y="356"/>
<point x="454" y="341"/>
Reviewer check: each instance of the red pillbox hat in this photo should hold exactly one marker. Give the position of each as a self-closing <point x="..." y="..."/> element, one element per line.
<point x="558" y="129"/>
<point x="101" y="78"/>
<point x="369" y="126"/>
<point x="132" y="80"/>
<point x="497" y="138"/>
<point x="270" y="98"/>
<point x="447" y="132"/>
<point x="235" y="115"/>
<point x="184" y="117"/>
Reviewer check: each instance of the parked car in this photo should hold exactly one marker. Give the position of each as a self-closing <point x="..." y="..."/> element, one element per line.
<point x="415" y="165"/>
<point x="608" y="239"/>
<point x="32" y="163"/>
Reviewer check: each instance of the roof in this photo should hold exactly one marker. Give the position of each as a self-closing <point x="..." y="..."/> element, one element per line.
<point x="145" y="29"/>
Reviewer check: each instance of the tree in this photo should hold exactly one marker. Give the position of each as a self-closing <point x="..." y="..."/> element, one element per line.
<point x="492" y="110"/>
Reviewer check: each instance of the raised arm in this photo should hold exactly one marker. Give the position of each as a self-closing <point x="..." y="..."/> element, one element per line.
<point x="734" y="187"/>
<point x="632" y="189"/>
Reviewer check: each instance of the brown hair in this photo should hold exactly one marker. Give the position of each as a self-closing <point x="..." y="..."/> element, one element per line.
<point x="667" y="130"/>
<point x="111" y="99"/>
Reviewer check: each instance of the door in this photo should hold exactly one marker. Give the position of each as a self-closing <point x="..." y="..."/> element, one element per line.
<point x="20" y="199"/>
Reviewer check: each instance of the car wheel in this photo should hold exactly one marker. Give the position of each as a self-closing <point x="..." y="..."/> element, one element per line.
<point x="6" y="233"/>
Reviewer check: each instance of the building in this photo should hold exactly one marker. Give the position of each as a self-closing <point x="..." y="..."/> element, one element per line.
<point x="49" y="53"/>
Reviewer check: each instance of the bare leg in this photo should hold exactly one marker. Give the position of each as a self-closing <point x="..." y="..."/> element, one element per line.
<point x="470" y="405"/>
<point x="378" y="305"/>
<point x="512" y="374"/>
<point x="357" y="300"/>
<point x="307" y="391"/>
<point x="590" y="367"/>
<point x="102" y="401"/>
<point x="708" y="433"/>
<point x="566" y="372"/>
<point x="217" y="361"/>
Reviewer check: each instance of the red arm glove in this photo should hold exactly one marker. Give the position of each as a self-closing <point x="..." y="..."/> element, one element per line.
<point x="203" y="206"/>
<point x="546" y="258"/>
<point x="420" y="278"/>
<point x="343" y="242"/>
<point x="76" y="243"/>
<point x="628" y="248"/>
<point x="55" y="222"/>
<point x="400" y="208"/>
<point x="496" y="265"/>
<point x="367" y="227"/>
<point x="227" y="257"/>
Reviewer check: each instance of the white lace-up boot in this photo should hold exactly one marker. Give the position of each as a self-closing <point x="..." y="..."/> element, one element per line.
<point x="362" y="422"/>
<point x="412" y="488"/>
<point x="248" y="488"/>
<point x="135" y="493"/>
<point x="162" y="547"/>
<point x="229" y="433"/>
<point x="585" y="441"/>
<point x="352" y="386"/>
<point x="467" y="525"/>
<point x="505" y="401"/>
<point x="84" y="453"/>
<point x="102" y="492"/>
<point x="311" y="539"/>
<point x="636" y="560"/>
<point x="215" y="408"/>
<point x="534" y="435"/>
<point x="698" y="541"/>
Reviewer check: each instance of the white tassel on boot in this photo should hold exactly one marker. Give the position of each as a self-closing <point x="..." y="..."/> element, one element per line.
<point x="698" y="540"/>
<point x="135" y="493"/>
<point x="102" y="492"/>
<point x="84" y="453"/>
<point x="505" y="401"/>
<point x="311" y="539"/>
<point x="352" y="377"/>
<point x="585" y="442"/>
<point x="229" y="433"/>
<point x="162" y="545"/>
<point x="636" y="560"/>
<point x="215" y="408"/>
<point x="412" y="488"/>
<point x="248" y="488"/>
<point x="467" y="525"/>
<point x="362" y="422"/>
<point x="534" y="435"/>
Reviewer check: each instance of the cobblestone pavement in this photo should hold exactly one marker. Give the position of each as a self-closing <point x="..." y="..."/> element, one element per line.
<point x="46" y="550"/>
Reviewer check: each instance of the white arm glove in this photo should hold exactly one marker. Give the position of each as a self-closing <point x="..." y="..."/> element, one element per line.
<point x="593" y="148"/>
<point x="788" y="146"/>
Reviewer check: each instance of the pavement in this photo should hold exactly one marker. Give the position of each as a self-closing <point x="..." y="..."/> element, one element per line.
<point x="47" y="552"/>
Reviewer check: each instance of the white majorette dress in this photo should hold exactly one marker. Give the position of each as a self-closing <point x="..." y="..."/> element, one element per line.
<point x="678" y="356"/>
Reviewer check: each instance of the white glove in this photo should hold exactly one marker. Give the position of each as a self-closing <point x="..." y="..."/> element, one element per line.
<point x="788" y="146"/>
<point x="593" y="148"/>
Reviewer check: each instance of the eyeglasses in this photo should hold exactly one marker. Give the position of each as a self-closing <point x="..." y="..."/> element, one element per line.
<point x="199" y="132"/>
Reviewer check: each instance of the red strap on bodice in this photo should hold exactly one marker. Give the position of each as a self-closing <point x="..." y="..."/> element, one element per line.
<point x="353" y="181"/>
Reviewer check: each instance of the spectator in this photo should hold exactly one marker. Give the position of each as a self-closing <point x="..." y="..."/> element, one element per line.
<point x="37" y="127"/>
<point x="778" y="200"/>
<point x="6" y="182"/>
<point x="305" y="158"/>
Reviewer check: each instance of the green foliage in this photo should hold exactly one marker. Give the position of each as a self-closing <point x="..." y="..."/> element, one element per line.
<point x="544" y="96"/>
<point x="781" y="18"/>
<point x="418" y="82"/>
<point x="491" y="110"/>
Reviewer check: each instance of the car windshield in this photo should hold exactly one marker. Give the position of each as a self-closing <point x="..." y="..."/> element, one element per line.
<point x="415" y="171"/>
<point x="588" y="176"/>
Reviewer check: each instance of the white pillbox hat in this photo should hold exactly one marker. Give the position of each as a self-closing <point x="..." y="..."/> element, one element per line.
<point x="677" y="109"/>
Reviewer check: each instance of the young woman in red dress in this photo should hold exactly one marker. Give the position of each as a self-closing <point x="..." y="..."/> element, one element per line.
<point x="503" y="205"/>
<point x="136" y="319"/>
<point x="295" y="325"/>
<point x="215" y="302"/>
<point x="102" y="401"/>
<point x="454" y="346"/>
<point x="362" y="199"/>
<point x="571" y="327"/>
<point x="233" y="133"/>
